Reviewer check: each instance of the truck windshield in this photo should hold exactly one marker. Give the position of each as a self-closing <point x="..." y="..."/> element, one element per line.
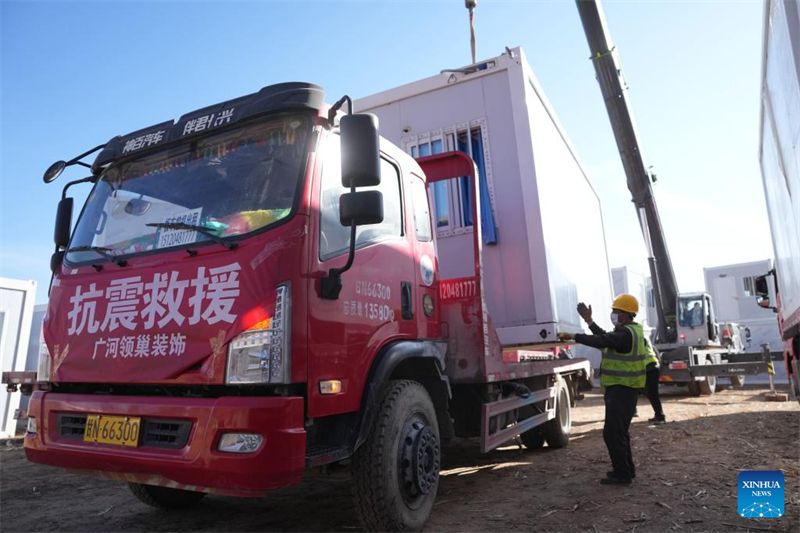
<point x="229" y="184"/>
<point x="691" y="311"/>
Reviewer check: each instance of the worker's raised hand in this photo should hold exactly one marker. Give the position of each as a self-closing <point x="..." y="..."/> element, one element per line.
<point x="585" y="312"/>
<point x="563" y="336"/>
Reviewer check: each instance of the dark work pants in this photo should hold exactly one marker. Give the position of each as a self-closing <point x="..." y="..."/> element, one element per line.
<point x="651" y="389"/>
<point x="620" y="406"/>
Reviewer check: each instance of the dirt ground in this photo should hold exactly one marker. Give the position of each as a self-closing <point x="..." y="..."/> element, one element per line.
<point x="686" y="482"/>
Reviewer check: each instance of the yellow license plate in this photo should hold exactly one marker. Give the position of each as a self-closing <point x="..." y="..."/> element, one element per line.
<point x="123" y="430"/>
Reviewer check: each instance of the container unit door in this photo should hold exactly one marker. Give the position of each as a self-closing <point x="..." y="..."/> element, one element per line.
<point x="726" y="298"/>
<point x="375" y="305"/>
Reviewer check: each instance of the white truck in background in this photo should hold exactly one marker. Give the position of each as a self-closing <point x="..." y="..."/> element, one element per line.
<point x="779" y="154"/>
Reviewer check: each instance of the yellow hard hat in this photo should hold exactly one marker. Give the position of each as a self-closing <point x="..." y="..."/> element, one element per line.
<point x="627" y="303"/>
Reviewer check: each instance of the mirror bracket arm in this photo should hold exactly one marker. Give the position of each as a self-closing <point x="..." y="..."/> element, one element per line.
<point x="331" y="284"/>
<point x="75" y="182"/>
<point x="336" y="107"/>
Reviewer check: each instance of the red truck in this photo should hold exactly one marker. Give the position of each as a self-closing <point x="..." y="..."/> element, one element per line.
<point x="252" y="291"/>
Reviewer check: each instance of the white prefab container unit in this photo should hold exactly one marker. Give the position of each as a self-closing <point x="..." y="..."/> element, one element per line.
<point x="545" y="248"/>
<point x="780" y="150"/>
<point x="652" y="312"/>
<point x="16" y="311"/>
<point x="34" y="346"/>
<point x="733" y="289"/>
<point x="631" y="282"/>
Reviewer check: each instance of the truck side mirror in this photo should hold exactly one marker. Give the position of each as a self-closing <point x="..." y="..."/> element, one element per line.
<point x="761" y="287"/>
<point x="54" y="171"/>
<point x="361" y="159"/>
<point x="63" y="222"/>
<point x="56" y="259"/>
<point x="763" y="301"/>
<point x="361" y="208"/>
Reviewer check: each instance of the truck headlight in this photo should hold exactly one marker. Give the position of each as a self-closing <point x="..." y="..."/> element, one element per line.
<point x="262" y="354"/>
<point x="45" y="362"/>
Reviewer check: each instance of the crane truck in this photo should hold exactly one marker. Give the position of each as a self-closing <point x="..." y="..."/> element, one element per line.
<point x="692" y="344"/>
<point x="254" y="290"/>
<point x="779" y="155"/>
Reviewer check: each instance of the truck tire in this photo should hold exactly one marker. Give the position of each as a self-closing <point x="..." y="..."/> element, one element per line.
<point x="396" y="470"/>
<point x="165" y="498"/>
<point x="694" y="388"/>
<point x="708" y="386"/>
<point x="556" y="432"/>
<point x="532" y="439"/>
<point x="738" y="381"/>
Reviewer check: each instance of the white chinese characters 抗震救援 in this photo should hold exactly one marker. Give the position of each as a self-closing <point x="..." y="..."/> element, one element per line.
<point x="132" y="304"/>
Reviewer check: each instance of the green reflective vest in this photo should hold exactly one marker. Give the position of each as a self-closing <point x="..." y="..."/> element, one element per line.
<point x="627" y="368"/>
<point x="652" y="358"/>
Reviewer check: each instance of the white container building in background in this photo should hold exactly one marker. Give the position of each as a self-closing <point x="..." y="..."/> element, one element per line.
<point x="631" y="282"/>
<point x="542" y="223"/>
<point x="34" y="345"/>
<point x="732" y="288"/>
<point x="16" y="313"/>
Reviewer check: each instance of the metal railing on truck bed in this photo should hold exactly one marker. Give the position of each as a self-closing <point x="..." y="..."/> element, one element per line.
<point x="474" y="352"/>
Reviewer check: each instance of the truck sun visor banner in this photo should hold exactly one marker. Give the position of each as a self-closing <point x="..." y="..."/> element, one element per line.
<point x="283" y="96"/>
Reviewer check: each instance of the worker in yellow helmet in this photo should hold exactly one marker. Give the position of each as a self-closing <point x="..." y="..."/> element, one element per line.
<point x="623" y="370"/>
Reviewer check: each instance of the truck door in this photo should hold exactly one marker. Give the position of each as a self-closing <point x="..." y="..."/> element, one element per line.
<point x="375" y="305"/>
<point x="713" y="328"/>
<point x="427" y="313"/>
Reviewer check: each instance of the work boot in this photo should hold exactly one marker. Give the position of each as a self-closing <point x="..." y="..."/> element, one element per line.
<point x="636" y="414"/>
<point x="616" y="480"/>
<point x="610" y="474"/>
<point x="658" y="420"/>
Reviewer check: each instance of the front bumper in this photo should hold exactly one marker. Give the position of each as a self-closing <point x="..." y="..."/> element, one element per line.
<point x="279" y="462"/>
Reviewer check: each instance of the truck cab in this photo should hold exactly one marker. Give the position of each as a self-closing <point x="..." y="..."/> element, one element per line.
<point x="706" y="349"/>
<point x="195" y="269"/>
<point x="697" y="325"/>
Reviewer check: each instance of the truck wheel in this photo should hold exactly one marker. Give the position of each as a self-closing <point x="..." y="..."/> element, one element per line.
<point x="738" y="381"/>
<point x="396" y="470"/>
<point x="165" y="498"/>
<point x="708" y="385"/>
<point x="556" y="432"/>
<point x="533" y="438"/>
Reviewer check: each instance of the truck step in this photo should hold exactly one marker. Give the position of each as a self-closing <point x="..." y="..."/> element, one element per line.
<point x="321" y="454"/>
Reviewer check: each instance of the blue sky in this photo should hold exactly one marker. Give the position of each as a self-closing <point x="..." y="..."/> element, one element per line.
<point x="75" y="74"/>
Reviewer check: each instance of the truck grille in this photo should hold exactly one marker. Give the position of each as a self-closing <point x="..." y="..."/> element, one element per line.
<point x="161" y="433"/>
<point x="71" y="426"/>
<point x="156" y="432"/>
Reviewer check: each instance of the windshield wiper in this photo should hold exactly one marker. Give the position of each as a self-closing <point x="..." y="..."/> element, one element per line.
<point x="101" y="251"/>
<point x="208" y="232"/>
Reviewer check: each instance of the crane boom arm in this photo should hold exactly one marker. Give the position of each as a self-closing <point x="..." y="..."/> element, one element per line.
<point x="609" y="76"/>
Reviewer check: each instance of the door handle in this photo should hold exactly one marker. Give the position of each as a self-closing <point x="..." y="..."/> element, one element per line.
<point x="406" y="300"/>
